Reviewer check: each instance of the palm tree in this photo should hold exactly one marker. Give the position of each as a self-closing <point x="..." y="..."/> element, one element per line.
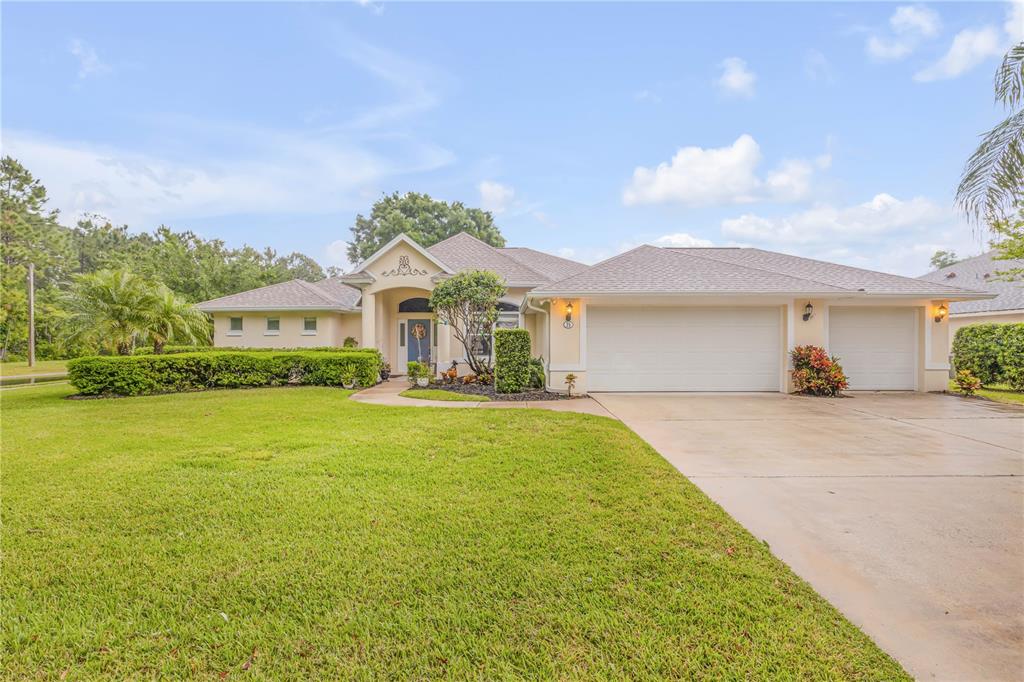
<point x="173" y="319"/>
<point x="992" y="185"/>
<point x="111" y="308"/>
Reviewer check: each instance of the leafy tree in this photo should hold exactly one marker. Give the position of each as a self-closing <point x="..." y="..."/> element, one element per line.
<point x="426" y="220"/>
<point x="111" y="309"/>
<point x="943" y="259"/>
<point x="173" y="320"/>
<point x="29" y="233"/>
<point x="992" y="185"/>
<point x="468" y="302"/>
<point x="1009" y="243"/>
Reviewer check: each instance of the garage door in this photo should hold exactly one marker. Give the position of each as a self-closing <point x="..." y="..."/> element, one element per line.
<point x="683" y="349"/>
<point x="877" y="347"/>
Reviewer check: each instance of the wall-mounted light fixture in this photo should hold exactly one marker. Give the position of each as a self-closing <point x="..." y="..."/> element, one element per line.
<point x="808" y="311"/>
<point x="568" y="312"/>
<point x="941" y="312"/>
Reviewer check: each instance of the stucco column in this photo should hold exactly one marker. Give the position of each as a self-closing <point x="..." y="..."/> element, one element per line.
<point x="369" y="321"/>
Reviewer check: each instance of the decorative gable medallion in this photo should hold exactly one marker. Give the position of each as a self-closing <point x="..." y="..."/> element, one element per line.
<point x="403" y="269"/>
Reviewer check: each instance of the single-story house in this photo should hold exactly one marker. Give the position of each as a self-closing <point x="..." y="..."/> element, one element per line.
<point x="650" y="319"/>
<point x="982" y="273"/>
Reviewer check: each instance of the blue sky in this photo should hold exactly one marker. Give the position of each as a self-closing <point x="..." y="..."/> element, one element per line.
<point x="835" y="131"/>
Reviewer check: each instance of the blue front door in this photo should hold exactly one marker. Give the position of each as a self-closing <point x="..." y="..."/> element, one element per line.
<point x="417" y="340"/>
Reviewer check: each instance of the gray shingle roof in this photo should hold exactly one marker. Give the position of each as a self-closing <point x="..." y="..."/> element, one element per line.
<point x="980" y="272"/>
<point x="465" y="252"/>
<point x="653" y="270"/>
<point x="551" y="267"/>
<point x="328" y="294"/>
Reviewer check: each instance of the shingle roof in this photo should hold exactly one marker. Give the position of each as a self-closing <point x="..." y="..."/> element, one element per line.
<point x="465" y="252"/>
<point x="327" y="294"/>
<point x="980" y="272"/>
<point x="551" y="267"/>
<point x="653" y="270"/>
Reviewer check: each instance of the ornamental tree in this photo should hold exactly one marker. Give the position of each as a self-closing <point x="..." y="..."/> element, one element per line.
<point x="468" y="303"/>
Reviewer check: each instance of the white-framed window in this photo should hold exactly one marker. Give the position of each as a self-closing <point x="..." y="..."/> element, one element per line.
<point x="481" y="344"/>
<point x="507" y="319"/>
<point x="234" y="326"/>
<point x="273" y="326"/>
<point x="309" y="326"/>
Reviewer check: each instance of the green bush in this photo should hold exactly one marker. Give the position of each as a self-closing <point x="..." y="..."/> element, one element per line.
<point x="511" y="360"/>
<point x="414" y="370"/>
<point x="173" y="350"/>
<point x="537" y="373"/>
<point x="976" y="349"/>
<point x="1010" y="344"/>
<point x="350" y="342"/>
<point x="145" y="374"/>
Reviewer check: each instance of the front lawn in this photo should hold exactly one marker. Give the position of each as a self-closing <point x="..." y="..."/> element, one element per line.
<point x="289" y="533"/>
<point x="443" y="396"/>
<point x="1001" y="393"/>
<point x="15" y="369"/>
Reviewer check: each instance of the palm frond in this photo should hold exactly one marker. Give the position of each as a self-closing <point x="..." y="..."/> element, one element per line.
<point x="1010" y="78"/>
<point x="991" y="185"/>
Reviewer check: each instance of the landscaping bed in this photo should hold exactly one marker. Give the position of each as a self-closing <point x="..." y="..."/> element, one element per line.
<point x="488" y="391"/>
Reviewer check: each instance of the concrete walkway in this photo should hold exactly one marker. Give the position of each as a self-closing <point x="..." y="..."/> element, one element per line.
<point x="386" y="393"/>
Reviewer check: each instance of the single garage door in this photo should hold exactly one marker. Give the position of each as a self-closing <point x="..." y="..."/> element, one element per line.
<point x="877" y="347"/>
<point x="683" y="349"/>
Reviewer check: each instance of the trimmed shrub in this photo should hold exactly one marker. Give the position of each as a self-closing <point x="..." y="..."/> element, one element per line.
<point x="815" y="373"/>
<point x="976" y="349"/>
<point x="1010" y="344"/>
<point x="146" y="374"/>
<point x="511" y="360"/>
<point x="174" y="350"/>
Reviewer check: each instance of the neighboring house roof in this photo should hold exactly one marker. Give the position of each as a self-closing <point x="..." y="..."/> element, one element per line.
<point x="327" y="294"/>
<point x="981" y="272"/>
<point x="654" y="270"/>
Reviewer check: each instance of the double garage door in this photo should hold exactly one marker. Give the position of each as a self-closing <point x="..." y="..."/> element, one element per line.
<point x="738" y="348"/>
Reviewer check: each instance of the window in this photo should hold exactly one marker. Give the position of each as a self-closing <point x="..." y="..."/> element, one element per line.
<point x="481" y="344"/>
<point x="507" y="320"/>
<point x="273" y="326"/>
<point x="401" y="334"/>
<point x="309" y="326"/>
<point x="235" y="326"/>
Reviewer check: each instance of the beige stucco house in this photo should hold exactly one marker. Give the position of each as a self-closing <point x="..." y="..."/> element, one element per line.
<point x="650" y="319"/>
<point x="982" y="273"/>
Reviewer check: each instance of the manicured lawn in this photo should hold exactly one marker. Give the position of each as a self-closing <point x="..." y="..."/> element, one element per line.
<point x="1000" y="393"/>
<point x="12" y="369"/>
<point x="443" y="396"/>
<point x="290" y="533"/>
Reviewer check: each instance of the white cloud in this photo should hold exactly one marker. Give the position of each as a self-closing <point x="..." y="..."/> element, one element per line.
<point x="337" y="254"/>
<point x="682" y="239"/>
<point x="1015" y="21"/>
<point x="494" y="196"/>
<point x="736" y="78"/>
<point x="647" y="96"/>
<point x="886" y="49"/>
<point x="910" y="24"/>
<point x="915" y="19"/>
<point x="724" y="175"/>
<point x="885" y="233"/>
<point x="89" y="62"/>
<point x="259" y="170"/>
<point x="970" y="47"/>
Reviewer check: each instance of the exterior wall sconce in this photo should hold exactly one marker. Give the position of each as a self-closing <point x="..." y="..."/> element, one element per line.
<point x="808" y="311"/>
<point x="941" y="312"/>
<point x="568" y="316"/>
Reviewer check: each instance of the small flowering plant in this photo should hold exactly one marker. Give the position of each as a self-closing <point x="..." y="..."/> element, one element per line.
<point x="967" y="382"/>
<point x="817" y="373"/>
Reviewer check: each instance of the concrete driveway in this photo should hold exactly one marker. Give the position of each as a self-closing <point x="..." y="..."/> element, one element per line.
<point x="906" y="511"/>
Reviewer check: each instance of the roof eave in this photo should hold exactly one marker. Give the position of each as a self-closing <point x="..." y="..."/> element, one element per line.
<point x="273" y="308"/>
<point x="946" y="296"/>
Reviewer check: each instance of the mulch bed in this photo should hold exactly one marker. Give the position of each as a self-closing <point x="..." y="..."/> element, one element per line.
<point x="480" y="389"/>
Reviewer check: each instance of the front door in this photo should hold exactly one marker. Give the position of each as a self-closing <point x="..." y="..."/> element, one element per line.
<point x="417" y="340"/>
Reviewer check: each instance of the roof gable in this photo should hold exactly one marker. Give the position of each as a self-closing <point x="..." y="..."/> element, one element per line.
<point x="402" y="239"/>
<point x="981" y="272"/>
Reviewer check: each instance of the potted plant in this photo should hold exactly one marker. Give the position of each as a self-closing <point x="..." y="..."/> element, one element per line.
<point x="348" y="380"/>
<point x="385" y="370"/>
<point x="419" y="374"/>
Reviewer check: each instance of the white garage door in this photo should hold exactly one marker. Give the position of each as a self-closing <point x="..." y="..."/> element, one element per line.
<point x="877" y="347"/>
<point x="683" y="349"/>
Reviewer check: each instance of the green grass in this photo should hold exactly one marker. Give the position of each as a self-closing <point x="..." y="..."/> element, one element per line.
<point x="442" y="395"/>
<point x="290" y="533"/>
<point x="1000" y="393"/>
<point x="14" y="369"/>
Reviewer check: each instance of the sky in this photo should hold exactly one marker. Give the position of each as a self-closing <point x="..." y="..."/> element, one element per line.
<point x="829" y="130"/>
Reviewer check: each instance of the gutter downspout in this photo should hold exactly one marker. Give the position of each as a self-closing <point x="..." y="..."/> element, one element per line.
<point x="547" y="340"/>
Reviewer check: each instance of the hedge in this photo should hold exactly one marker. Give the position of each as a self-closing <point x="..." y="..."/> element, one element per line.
<point x="147" y="374"/>
<point x="174" y="350"/>
<point x="992" y="352"/>
<point x="511" y="360"/>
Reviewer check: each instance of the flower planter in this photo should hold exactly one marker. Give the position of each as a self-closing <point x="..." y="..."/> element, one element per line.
<point x="422" y="382"/>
